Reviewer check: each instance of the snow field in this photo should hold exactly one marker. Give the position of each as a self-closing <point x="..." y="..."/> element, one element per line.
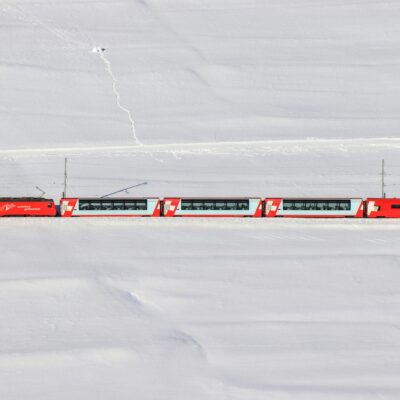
<point x="227" y="98"/>
<point x="176" y="308"/>
<point x="191" y="71"/>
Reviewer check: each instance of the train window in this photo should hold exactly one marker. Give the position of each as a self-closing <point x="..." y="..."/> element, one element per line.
<point x="318" y="205"/>
<point x="345" y="205"/>
<point x="325" y="205"/>
<point x="231" y="205"/>
<point x="218" y="205"/>
<point x="209" y="205"/>
<point x="119" y="205"/>
<point x="84" y="205"/>
<point x="395" y="205"/>
<point x="141" y="205"/>
<point x="135" y="204"/>
<point x="106" y="205"/>
<point x="130" y="205"/>
<point x="197" y="205"/>
<point x="332" y="206"/>
<point x="287" y="205"/>
<point x="186" y="205"/>
<point x="299" y="205"/>
<point x="243" y="205"/>
<point x="95" y="205"/>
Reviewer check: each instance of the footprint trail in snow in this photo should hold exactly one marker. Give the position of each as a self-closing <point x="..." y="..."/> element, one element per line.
<point x="107" y="63"/>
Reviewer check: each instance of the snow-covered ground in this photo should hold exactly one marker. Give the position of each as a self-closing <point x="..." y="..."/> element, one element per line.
<point x="197" y="71"/>
<point x="203" y="309"/>
<point x="199" y="97"/>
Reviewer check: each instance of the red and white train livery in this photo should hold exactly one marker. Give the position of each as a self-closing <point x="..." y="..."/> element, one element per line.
<point x="27" y="207"/>
<point x="255" y="207"/>
<point x="314" y="208"/>
<point x="110" y="207"/>
<point x="212" y="207"/>
<point x="382" y="208"/>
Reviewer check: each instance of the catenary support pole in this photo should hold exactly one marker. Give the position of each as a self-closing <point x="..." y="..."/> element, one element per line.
<point x="65" y="177"/>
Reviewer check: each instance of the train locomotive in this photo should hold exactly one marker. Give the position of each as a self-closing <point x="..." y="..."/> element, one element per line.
<point x="27" y="207"/>
<point x="170" y="207"/>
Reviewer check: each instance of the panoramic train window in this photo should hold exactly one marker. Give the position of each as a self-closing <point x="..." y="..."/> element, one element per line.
<point x="217" y="205"/>
<point x="395" y="205"/>
<point x="109" y="205"/>
<point x="95" y="205"/>
<point x="316" y="205"/>
<point x="84" y="205"/>
<point x="119" y="205"/>
<point x="136" y="205"/>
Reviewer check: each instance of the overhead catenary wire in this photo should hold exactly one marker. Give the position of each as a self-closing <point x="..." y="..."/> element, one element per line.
<point x="124" y="189"/>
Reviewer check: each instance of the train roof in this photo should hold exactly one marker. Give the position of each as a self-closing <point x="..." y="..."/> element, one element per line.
<point x="384" y="198"/>
<point x="16" y="199"/>
<point x="110" y="198"/>
<point x="214" y="198"/>
<point x="314" y="198"/>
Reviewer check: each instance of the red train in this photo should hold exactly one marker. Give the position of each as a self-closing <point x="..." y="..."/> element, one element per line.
<point x="382" y="208"/>
<point x="254" y="207"/>
<point x="27" y="207"/>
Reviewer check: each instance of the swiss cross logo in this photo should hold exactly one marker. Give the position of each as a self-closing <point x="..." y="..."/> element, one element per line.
<point x="67" y="207"/>
<point x="169" y="206"/>
<point x="271" y="206"/>
<point x="372" y="207"/>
